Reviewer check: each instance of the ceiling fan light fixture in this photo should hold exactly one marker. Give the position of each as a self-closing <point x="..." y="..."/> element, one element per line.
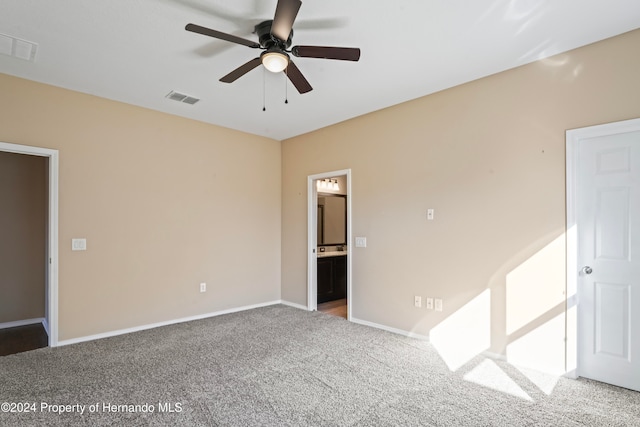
<point x="275" y="61"/>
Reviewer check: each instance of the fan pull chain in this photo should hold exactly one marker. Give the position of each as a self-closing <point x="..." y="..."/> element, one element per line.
<point x="264" y="97"/>
<point x="286" y="86"/>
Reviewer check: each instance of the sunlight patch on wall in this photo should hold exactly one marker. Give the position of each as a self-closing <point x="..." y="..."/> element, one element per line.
<point x="536" y="285"/>
<point x="488" y="374"/>
<point x="572" y="299"/>
<point x="541" y="349"/>
<point x="556" y="61"/>
<point x="464" y="334"/>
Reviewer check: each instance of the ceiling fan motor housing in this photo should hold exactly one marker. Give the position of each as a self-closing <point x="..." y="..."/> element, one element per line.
<point x="269" y="41"/>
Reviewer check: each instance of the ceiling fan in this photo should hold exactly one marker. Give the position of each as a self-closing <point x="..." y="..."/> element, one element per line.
<point x="274" y="38"/>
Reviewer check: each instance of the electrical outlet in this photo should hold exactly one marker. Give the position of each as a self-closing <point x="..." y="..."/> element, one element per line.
<point x="78" y="244"/>
<point x="417" y="301"/>
<point x="203" y="287"/>
<point x="429" y="303"/>
<point x="438" y="304"/>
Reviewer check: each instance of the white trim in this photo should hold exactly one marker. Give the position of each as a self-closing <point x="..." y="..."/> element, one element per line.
<point x="294" y="305"/>
<point x="165" y="323"/>
<point x="312" y="242"/>
<point x="390" y="329"/>
<point x="45" y="325"/>
<point x="25" y="322"/>
<point x="573" y="138"/>
<point x="571" y="236"/>
<point x="312" y="202"/>
<point x="349" y="247"/>
<point x="494" y="356"/>
<point x="52" y="286"/>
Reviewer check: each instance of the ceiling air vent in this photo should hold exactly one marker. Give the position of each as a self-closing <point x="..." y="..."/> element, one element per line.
<point x="181" y="97"/>
<point x="17" y="48"/>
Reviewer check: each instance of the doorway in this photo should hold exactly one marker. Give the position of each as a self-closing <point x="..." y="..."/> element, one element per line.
<point x="603" y="239"/>
<point x="50" y="322"/>
<point x="332" y="263"/>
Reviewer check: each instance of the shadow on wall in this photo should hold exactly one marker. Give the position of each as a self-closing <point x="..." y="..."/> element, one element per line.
<point x="530" y="302"/>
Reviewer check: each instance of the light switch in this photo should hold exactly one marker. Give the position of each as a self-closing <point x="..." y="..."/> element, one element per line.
<point x="78" y="244"/>
<point x="430" y="214"/>
<point x="361" y="242"/>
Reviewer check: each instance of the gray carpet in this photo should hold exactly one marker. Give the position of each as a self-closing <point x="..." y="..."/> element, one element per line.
<point x="280" y="366"/>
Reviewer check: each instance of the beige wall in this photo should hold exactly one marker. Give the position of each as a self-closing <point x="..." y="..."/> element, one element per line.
<point x="489" y="157"/>
<point x="23" y="216"/>
<point x="164" y="203"/>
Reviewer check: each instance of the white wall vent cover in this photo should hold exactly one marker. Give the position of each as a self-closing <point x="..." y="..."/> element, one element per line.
<point x="181" y="97"/>
<point x="18" y="48"/>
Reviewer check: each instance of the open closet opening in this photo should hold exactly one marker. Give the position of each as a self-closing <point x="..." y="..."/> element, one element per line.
<point x="28" y="248"/>
<point x="23" y="252"/>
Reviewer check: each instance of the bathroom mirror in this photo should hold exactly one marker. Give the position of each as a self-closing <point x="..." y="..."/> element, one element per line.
<point x="332" y="219"/>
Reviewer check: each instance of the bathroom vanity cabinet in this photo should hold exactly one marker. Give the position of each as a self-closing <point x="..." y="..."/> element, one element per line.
<point x="332" y="278"/>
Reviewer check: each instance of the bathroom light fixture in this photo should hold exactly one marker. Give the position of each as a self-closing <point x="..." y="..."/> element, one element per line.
<point x="328" y="184"/>
<point x="274" y="61"/>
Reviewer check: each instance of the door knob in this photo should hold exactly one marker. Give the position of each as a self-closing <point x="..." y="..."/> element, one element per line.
<point x="587" y="270"/>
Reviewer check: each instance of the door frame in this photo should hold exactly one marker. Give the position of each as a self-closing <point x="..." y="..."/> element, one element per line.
<point x="51" y="306"/>
<point x="573" y="138"/>
<point x="312" y="239"/>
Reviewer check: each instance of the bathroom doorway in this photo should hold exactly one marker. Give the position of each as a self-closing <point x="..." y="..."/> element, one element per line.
<point x="329" y="272"/>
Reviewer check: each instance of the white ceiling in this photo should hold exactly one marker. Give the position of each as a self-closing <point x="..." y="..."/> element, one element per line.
<point x="137" y="51"/>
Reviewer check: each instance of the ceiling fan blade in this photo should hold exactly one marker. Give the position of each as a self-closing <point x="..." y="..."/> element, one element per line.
<point x="321" y="23"/>
<point x="297" y="78"/>
<point x="327" y="52"/>
<point x="286" y="12"/>
<point x="219" y="35"/>
<point x="241" y="71"/>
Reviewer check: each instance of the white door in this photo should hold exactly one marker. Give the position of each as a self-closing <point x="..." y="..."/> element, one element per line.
<point x="608" y="227"/>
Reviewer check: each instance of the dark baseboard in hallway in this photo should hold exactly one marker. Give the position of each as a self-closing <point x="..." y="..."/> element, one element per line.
<point x="22" y="338"/>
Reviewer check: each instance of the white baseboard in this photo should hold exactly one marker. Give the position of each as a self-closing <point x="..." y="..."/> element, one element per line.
<point x="45" y="324"/>
<point x="390" y="329"/>
<point x="294" y="305"/>
<point x="494" y="356"/>
<point x="22" y="323"/>
<point x="228" y="311"/>
<point x="166" y="323"/>
<point x="367" y="323"/>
